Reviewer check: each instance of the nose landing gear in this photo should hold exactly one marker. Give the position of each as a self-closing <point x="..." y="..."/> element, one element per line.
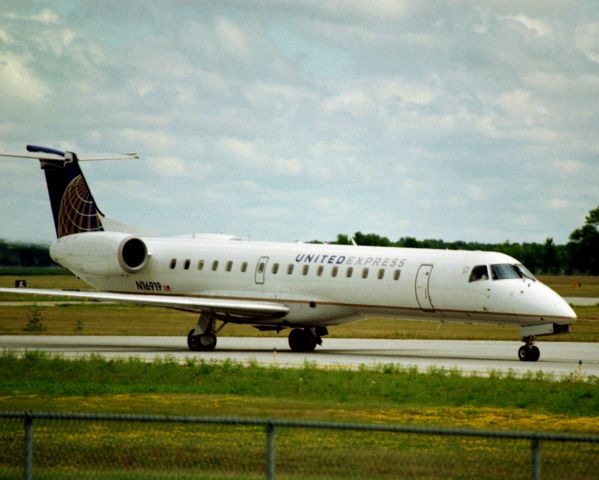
<point x="529" y="352"/>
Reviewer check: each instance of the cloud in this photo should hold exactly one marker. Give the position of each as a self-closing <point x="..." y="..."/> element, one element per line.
<point x="6" y="37"/>
<point x="45" y="17"/>
<point x="257" y="158"/>
<point x="324" y="117"/>
<point x="476" y="193"/>
<point x="533" y="26"/>
<point x="520" y="105"/>
<point x="279" y="96"/>
<point x="569" y="167"/>
<point x="19" y="83"/>
<point x="587" y="40"/>
<point x="558" y="203"/>
<point x="168" y="166"/>
<point x="231" y="38"/>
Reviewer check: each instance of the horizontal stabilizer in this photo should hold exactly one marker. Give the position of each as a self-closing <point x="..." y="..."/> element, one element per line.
<point x="45" y="153"/>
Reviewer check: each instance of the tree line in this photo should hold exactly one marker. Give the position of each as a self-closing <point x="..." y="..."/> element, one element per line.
<point x="579" y="256"/>
<point x="24" y="255"/>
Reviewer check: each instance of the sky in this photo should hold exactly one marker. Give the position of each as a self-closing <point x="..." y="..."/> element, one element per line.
<point x="291" y="121"/>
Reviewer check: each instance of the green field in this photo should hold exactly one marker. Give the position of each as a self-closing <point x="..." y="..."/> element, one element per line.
<point x="379" y="395"/>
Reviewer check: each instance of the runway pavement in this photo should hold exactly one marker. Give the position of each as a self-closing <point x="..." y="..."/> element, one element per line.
<point x="470" y="357"/>
<point x="582" y="301"/>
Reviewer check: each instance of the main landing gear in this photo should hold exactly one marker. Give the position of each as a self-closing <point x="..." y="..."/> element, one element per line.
<point x="305" y="340"/>
<point x="202" y="338"/>
<point x="529" y="352"/>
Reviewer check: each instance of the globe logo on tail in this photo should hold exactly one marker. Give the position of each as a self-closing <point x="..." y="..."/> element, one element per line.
<point x="78" y="212"/>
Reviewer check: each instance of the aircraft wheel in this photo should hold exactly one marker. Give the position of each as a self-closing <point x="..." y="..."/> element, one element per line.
<point x="302" y="340"/>
<point x="529" y="353"/>
<point x="523" y="353"/>
<point x="201" y="343"/>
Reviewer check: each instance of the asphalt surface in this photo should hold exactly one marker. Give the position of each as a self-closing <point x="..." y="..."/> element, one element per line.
<point x="582" y="301"/>
<point x="468" y="356"/>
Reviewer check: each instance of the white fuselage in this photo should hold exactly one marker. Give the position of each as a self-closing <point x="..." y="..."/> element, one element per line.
<point x="329" y="284"/>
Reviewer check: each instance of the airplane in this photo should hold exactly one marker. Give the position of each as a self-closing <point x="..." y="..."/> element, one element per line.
<point x="273" y="286"/>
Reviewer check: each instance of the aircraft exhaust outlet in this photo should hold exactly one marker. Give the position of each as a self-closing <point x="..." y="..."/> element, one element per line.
<point x="101" y="253"/>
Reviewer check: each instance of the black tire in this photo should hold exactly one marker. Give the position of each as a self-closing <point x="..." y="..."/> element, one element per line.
<point x="193" y="340"/>
<point x="201" y="343"/>
<point x="523" y="353"/>
<point x="534" y="354"/>
<point x="301" y="340"/>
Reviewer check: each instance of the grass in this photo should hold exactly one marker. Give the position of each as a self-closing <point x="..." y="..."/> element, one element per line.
<point x="573" y="286"/>
<point x="111" y="319"/>
<point x="38" y="373"/>
<point x="375" y="395"/>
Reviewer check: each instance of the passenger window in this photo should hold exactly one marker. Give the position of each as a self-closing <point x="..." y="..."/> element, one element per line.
<point x="244" y="267"/>
<point x="229" y="266"/>
<point x="396" y="274"/>
<point x="187" y="264"/>
<point x="275" y="268"/>
<point x="305" y="270"/>
<point x="214" y="265"/>
<point x="320" y="270"/>
<point x="349" y="272"/>
<point x="479" y="272"/>
<point x="201" y="265"/>
<point x="261" y="266"/>
<point x="173" y="263"/>
<point x="334" y="271"/>
<point x="381" y="273"/>
<point x="365" y="273"/>
<point x="290" y="269"/>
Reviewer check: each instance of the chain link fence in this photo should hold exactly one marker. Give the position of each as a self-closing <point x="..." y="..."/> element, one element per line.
<point x="88" y="446"/>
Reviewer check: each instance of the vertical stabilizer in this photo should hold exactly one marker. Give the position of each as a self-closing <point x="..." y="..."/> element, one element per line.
<point x="73" y="206"/>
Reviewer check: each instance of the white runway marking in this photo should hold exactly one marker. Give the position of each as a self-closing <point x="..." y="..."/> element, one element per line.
<point x="480" y="357"/>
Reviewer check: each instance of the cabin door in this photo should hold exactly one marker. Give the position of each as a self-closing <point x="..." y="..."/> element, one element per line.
<point x="422" y="288"/>
<point x="261" y="270"/>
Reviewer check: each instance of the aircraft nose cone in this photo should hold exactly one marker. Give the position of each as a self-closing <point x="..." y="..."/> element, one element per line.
<point x="543" y="301"/>
<point x="559" y="307"/>
<point x="566" y="310"/>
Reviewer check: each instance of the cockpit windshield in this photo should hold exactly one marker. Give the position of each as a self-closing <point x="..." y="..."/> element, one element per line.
<point x="525" y="272"/>
<point x="505" y="271"/>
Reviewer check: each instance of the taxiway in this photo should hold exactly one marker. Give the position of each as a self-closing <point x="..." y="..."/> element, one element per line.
<point x="467" y="356"/>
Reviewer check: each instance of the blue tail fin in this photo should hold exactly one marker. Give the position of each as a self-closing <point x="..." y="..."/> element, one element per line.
<point x="73" y="206"/>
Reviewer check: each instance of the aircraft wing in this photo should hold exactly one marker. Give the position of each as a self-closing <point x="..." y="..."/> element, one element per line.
<point x="247" y="310"/>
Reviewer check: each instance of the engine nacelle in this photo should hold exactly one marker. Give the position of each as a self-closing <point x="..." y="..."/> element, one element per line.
<point x="100" y="253"/>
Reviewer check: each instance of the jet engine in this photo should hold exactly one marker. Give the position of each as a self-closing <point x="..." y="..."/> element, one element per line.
<point x="101" y="253"/>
